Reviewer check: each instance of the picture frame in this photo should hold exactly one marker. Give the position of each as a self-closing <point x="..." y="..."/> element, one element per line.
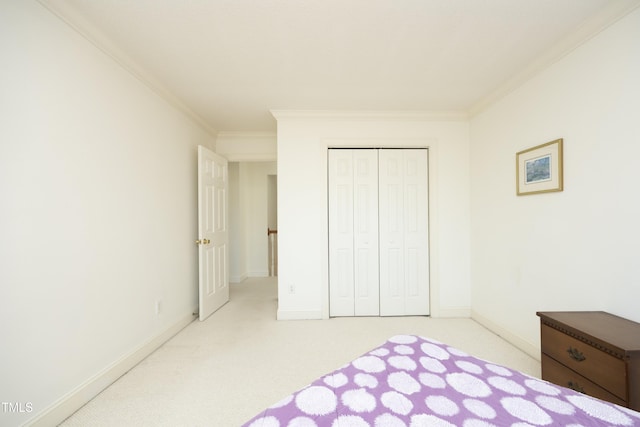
<point x="539" y="169"/>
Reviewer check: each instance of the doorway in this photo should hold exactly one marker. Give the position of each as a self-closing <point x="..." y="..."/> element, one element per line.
<point x="272" y="224"/>
<point x="252" y="212"/>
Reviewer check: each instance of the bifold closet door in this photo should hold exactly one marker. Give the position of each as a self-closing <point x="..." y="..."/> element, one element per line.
<point x="403" y="232"/>
<point x="353" y="233"/>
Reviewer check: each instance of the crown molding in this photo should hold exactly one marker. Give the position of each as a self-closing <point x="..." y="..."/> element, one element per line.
<point x="250" y="157"/>
<point x="371" y="115"/>
<point x="612" y="13"/>
<point x="246" y="134"/>
<point x="92" y="34"/>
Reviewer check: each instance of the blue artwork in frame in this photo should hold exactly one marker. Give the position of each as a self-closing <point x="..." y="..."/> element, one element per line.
<point x="539" y="169"/>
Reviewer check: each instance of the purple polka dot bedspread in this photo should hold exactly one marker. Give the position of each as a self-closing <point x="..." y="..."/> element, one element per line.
<point x="412" y="381"/>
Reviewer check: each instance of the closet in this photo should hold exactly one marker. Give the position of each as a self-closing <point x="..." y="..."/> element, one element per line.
<point x="378" y="232"/>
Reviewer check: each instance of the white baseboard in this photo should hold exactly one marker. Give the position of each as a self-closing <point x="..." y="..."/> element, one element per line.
<point x="299" y="315"/>
<point x="522" y="344"/>
<point x="261" y="273"/>
<point x="238" y="279"/>
<point x="74" y="400"/>
<point x="464" y="312"/>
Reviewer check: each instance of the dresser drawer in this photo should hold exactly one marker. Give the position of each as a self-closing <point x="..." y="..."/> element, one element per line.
<point x="557" y="373"/>
<point x="599" y="367"/>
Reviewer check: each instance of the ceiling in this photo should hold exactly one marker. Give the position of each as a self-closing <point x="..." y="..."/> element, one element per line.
<point x="229" y="62"/>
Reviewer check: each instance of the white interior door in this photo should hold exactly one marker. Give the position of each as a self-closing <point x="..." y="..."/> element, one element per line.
<point x="213" y="233"/>
<point x="404" y="238"/>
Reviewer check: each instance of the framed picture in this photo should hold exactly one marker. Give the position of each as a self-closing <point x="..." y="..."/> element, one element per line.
<point x="539" y="169"/>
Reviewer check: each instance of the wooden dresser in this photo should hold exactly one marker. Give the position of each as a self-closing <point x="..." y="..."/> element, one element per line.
<point x="593" y="352"/>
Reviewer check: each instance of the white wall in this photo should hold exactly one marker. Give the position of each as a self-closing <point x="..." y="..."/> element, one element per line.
<point x="303" y="139"/>
<point x="571" y="250"/>
<point x="98" y="216"/>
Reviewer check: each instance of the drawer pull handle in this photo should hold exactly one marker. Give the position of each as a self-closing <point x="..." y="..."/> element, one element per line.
<point x="576" y="355"/>
<point x="575" y="386"/>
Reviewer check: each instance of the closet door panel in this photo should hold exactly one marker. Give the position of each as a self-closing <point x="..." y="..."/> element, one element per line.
<point x="391" y="225"/>
<point x="365" y="182"/>
<point x="416" y="181"/>
<point x="341" y="249"/>
<point x="416" y="232"/>
<point x="404" y="257"/>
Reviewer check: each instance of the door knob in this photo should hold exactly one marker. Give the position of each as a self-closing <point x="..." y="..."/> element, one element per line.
<point x="203" y="241"/>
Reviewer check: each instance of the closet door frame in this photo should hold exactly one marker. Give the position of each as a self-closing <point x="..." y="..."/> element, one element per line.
<point x="400" y="272"/>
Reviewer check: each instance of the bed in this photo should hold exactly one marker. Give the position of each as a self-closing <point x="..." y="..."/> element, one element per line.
<point x="415" y="381"/>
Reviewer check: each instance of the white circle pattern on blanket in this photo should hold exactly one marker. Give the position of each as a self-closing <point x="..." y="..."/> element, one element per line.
<point x="403" y="339"/>
<point x="380" y="352"/>
<point x="468" y="385"/>
<point x="507" y="385"/>
<point x="499" y="370"/>
<point x="433" y="365"/>
<point x="365" y="380"/>
<point x="396" y="402"/>
<point x="442" y="405"/>
<point x="556" y="405"/>
<point x="424" y="420"/>
<point x="317" y="400"/>
<point x="422" y="383"/>
<point x="477" y="423"/>
<point x="302" y="422"/>
<point x="388" y="420"/>
<point x="542" y="387"/>
<point x="601" y="411"/>
<point x="359" y="400"/>
<point x="403" y="382"/>
<point x="457" y="352"/>
<point x="631" y="412"/>
<point x="369" y="364"/>
<point x="403" y="349"/>
<point x="435" y="351"/>
<point x="479" y="408"/>
<point x="526" y="411"/>
<point x="403" y="362"/>
<point x="336" y="380"/>
<point x="432" y="380"/>
<point x="470" y="367"/>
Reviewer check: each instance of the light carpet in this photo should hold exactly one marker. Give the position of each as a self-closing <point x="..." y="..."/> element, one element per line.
<point x="239" y="361"/>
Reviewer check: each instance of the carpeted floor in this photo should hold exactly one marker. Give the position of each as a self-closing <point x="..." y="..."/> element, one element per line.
<point x="223" y="371"/>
